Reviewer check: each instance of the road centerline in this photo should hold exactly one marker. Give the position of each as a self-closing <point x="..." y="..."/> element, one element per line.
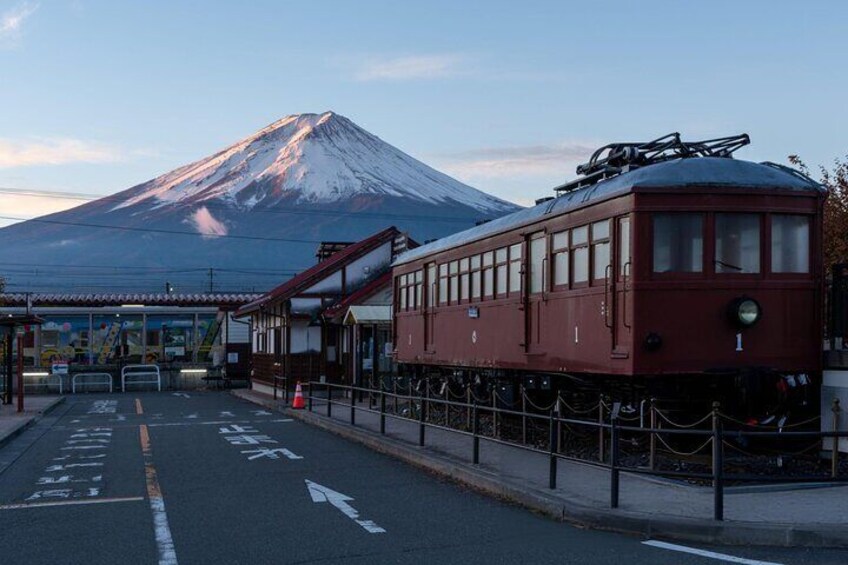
<point x="164" y="540"/>
<point x="138" y="408"/>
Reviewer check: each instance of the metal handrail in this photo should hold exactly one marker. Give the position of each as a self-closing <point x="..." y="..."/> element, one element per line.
<point x="134" y="371"/>
<point x="106" y="379"/>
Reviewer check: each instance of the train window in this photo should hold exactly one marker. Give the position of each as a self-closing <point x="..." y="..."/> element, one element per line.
<point x="431" y="285"/>
<point x="790" y="244"/>
<point x="737" y="243"/>
<point x="515" y="267"/>
<point x="454" y="281"/>
<point x="538" y="255"/>
<point x="580" y="252"/>
<point x="560" y="253"/>
<point x="488" y="274"/>
<point x="623" y="246"/>
<point x="501" y="284"/>
<point x="600" y="249"/>
<point x="443" y="283"/>
<point x="402" y="292"/>
<point x="475" y="276"/>
<point x="464" y="285"/>
<point x="419" y="289"/>
<point x="678" y="243"/>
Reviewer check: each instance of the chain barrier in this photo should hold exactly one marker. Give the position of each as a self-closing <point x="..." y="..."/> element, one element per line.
<point x="684" y="453"/>
<point x="683" y="426"/>
<point x="770" y="427"/>
<point x="537" y="407"/>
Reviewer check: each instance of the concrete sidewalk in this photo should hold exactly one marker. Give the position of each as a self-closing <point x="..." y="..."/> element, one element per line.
<point x="650" y="507"/>
<point x="12" y="423"/>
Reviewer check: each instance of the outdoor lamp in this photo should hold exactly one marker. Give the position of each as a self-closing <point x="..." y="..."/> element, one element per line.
<point x="745" y="312"/>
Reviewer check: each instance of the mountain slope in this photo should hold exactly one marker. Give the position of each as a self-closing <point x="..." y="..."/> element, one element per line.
<point x="274" y="195"/>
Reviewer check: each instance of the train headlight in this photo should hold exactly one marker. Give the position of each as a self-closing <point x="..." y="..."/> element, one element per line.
<point x="745" y="312"/>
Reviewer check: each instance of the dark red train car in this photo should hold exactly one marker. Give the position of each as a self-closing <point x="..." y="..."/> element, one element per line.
<point x="666" y="259"/>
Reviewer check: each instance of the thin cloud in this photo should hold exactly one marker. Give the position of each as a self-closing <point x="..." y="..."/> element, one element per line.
<point x="54" y="151"/>
<point x="410" y="67"/>
<point x="503" y="162"/>
<point x="207" y="224"/>
<point x="12" y="20"/>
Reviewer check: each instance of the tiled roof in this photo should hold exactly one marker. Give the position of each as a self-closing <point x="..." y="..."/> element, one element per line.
<point x="117" y="299"/>
<point x="321" y="270"/>
<point x="363" y="293"/>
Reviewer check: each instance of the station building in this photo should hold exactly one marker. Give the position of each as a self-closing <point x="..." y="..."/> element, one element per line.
<point x="107" y="331"/>
<point x="330" y="323"/>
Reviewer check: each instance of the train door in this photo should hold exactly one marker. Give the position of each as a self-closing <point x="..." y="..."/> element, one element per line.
<point x="430" y="307"/>
<point x="537" y="268"/>
<point x="622" y="291"/>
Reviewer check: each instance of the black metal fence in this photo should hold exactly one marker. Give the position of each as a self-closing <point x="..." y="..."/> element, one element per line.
<point x="610" y="429"/>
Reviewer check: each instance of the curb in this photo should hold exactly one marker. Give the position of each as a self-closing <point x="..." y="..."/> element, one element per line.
<point x="634" y="523"/>
<point x="22" y="426"/>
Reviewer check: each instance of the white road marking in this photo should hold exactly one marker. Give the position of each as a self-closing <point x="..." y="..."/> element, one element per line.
<point x="246" y="439"/>
<point x="261" y="413"/>
<point x="226" y="414"/>
<point x="236" y="429"/>
<point x="320" y="493"/>
<point x="22" y="506"/>
<point x="84" y="447"/>
<point x="707" y="554"/>
<point x="184" y="395"/>
<point x="54" y="468"/>
<point x="164" y="540"/>
<point x="64" y="493"/>
<point x="192" y="416"/>
<point x="271" y="453"/>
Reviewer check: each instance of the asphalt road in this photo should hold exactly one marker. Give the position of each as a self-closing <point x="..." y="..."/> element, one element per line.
<point x="208" y="478"/>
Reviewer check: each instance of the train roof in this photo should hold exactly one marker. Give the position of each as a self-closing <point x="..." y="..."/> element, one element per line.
<point x="705" y="172"/>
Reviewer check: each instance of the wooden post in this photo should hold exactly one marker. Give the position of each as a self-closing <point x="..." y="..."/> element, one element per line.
<point x="468" y="403"/>
<point x="718" y="466"/>
<point x="523" y="415"/>
<point x="601" y="429"/>
<point x="652" y="458"/>
<point x="494" y="413"/>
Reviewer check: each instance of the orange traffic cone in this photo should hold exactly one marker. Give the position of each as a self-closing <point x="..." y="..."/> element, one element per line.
<point x="298" y="401"/>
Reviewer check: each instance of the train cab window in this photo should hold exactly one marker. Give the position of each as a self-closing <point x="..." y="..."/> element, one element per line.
<point x="600" y="249"/>
<point x="790" y="243"/>
<point x="402" y="292"/>
<point x="454" y="281"/>
<point x="737" y="243"/>
<point x="488" y="274"/>
<point x="443" y="283"/>
<point x="501" y="271"/>
<point x="559" y="245"/>
<point x="431" y="285"/>
<point x="580" y="249"/>
<point x="475" y="277"/>
<point x="678" y="243"/>
<point x="515" y="267"/>
<point x="464" y="275"/>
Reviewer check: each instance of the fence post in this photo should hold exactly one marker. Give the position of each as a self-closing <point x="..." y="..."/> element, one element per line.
<point x="718" y="464"/>
<point x="652" y="458"/>
<point x="523" y="415"/>
<point x="560" y="409"/>
<point x="475" y="431"/>
<point x="352" y="406"/>
<point x="394" y="385"/>
<point x="329" y="401"/>
<point x="309" y="396"/>
<point x="494" y="411"/>
<point x="601" y="449"/>
<point x="834" y="458"/>
<point x="468" y="403"/>
<point x="552" y="440"/>
<point x="422" y="414"/>
<point x="614" y="472"/>
<point x="382" y="411"/>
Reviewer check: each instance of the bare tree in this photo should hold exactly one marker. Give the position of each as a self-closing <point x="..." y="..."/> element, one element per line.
<point x="835" y="209"/>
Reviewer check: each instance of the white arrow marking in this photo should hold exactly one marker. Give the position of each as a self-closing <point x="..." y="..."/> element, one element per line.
<point x="320" y="493"/>
<point x="184" y="395"/>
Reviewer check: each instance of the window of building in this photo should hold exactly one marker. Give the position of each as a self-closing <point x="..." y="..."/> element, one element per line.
<point x="580" y="250"/>
<point x="559" y="249"/>
<point x="737" y="243"/>
<point x="678" y="243"/>
<point x="600" y="249"/>
<point x="790" y="244"/>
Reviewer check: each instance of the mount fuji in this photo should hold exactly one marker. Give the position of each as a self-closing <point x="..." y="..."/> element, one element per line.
<point x="245" y="218"/>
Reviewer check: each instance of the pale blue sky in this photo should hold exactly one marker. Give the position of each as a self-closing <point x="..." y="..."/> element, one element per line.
<point x="96" y="96"/>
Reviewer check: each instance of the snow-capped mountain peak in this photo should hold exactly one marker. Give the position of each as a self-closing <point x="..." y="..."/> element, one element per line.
<point x="316" y="158"/>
